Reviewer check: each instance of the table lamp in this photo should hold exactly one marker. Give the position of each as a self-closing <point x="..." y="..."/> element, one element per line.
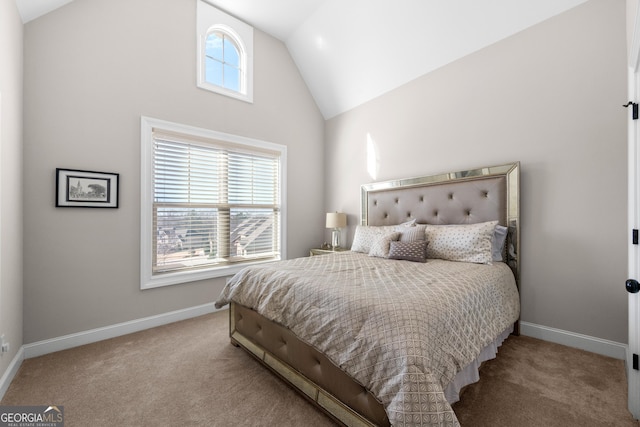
<point x="336" y="220"/>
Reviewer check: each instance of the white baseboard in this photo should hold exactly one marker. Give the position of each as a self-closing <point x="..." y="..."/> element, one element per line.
<point x="11" y="372"/>
<point x="571" y="339"/>
<point x="585" y="342"/>
<point x="558" y="336"/>
<point x="65" y="342"/>
<point x="40" y="348"/>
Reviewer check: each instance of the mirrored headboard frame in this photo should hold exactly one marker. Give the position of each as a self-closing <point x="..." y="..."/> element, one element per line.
<point x="470" y="196"/>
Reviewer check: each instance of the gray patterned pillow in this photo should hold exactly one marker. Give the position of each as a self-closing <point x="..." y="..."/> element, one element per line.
<point x="366" y="236"/>
<point x="463" y="242"/>
<point x="380" y="247"/>
<point x="411" y="251"/>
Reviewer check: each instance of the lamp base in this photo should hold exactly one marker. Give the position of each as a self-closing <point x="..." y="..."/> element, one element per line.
<point x="335" y="239"/>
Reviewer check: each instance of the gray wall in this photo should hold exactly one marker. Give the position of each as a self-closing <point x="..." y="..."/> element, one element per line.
<point x="10" y="179"/>
<point x="549" y="97"/>
<point x="92" y="68"/>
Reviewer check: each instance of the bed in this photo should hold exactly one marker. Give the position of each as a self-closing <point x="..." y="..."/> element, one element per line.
<point x="376" y="341"/>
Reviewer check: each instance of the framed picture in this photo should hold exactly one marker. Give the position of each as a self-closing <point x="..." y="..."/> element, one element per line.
<point x="86" y="189"/>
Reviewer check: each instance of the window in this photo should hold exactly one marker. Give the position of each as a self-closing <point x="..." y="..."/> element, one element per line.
<point x="222" y="61"/>
<point x="211" y="203"/>
<point x="225" y="53"/>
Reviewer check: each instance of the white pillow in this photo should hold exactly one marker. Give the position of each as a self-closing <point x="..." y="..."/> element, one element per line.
<point x="367" y="235"/>
<point x="380" y="247"/>
<point x="461" y="242"/>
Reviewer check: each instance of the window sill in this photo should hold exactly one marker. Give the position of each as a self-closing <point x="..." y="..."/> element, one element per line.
<point x="177" y="278"/>
<point x="226" y="92"/>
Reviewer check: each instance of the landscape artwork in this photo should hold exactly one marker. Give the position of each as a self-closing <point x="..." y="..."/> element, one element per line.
<point x="79" y="188"/>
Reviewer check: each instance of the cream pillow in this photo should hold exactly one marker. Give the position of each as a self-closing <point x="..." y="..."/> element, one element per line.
<point x="380" y="247"/>
<point x="461" y="242"/>
<point x="367" y="235"/>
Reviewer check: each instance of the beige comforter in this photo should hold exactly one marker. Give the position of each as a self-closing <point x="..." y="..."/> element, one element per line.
<point x="400" y="328"/>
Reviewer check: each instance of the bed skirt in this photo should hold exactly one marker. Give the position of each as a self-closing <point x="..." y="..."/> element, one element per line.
<point x="471" y="374"/>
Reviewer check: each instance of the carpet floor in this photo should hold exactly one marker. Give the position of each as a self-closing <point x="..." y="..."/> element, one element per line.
<point x="188" y="374"/>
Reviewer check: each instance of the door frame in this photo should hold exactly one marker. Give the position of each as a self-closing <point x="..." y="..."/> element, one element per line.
<point x="633" y="375"/>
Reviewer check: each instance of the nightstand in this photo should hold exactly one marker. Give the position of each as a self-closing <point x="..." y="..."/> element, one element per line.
<point x="318" y="251"/>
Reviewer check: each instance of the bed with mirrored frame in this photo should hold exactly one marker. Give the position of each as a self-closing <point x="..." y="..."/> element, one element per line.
<point x="464" y="197"/>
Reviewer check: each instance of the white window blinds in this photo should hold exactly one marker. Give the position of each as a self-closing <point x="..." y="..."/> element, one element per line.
<point x="215" y="203"/>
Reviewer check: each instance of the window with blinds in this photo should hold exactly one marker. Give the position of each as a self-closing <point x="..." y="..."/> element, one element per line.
<point x="215" y="203"/>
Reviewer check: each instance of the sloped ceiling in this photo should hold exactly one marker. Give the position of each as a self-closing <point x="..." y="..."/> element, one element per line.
<point x="351" y="51"/>
<point x="32" y="9"/>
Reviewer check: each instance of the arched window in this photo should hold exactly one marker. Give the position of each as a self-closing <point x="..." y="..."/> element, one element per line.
<point x="224" y="57"/>
<point x="225" y="53"/>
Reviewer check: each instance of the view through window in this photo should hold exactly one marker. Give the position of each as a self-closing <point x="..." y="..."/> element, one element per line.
<point x="222" y="61"/>
<point x="214" y="203"/>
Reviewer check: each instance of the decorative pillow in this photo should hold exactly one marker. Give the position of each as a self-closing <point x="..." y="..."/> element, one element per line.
<point x="461" y="242"/>
<point x="411" y="251"/>
<point x="497" y="242"/>
<point x="380" y="247"/>
<point x="366" y="236"/>
<point x="411" y="234"/>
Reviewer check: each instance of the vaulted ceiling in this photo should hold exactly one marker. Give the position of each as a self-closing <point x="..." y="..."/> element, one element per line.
<point x="351" y="51"/>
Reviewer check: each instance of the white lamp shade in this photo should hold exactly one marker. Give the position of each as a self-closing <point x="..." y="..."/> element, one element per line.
<point x="336" y="220"/>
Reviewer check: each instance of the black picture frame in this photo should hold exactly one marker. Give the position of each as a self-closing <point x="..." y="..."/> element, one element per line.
<point x="77" y="188"/>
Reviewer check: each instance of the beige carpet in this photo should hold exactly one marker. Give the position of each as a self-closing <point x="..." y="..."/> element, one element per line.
<point x="187" y="374"/>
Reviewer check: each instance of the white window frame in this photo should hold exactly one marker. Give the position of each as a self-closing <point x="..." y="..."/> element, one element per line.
<point x="147" y="279"/>
<point x="210" y="19"/>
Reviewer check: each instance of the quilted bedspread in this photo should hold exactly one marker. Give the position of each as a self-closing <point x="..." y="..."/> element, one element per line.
<point x="402" y="329"/>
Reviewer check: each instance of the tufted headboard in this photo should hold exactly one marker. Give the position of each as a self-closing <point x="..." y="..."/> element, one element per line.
<point x="465" y="197"/>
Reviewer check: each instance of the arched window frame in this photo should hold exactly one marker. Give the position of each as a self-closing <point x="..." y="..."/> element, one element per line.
<point x="242" y="57"/>
<point x="211" y="20"/>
